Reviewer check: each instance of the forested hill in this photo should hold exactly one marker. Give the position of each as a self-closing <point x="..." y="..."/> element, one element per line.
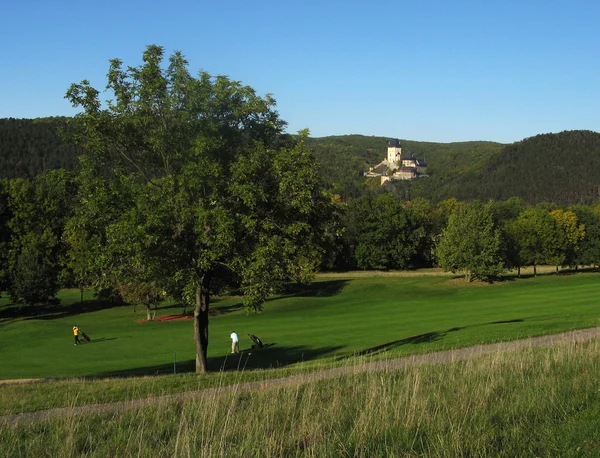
<point x="29" y="147"/>
<point x="345" y="158"/>
<point x="560" y="168"/>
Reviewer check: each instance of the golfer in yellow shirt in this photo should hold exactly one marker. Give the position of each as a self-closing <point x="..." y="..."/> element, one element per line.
<point x="76" y="335"/>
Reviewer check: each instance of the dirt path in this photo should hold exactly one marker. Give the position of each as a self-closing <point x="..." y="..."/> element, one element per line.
<point x="428" y="358"/>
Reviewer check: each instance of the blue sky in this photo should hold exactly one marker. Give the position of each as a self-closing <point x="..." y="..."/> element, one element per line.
<point x="420" y="70"/>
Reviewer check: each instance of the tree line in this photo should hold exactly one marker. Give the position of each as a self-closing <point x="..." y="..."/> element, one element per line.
<point x="50" y="238"/>
<point x="480" y="239"/>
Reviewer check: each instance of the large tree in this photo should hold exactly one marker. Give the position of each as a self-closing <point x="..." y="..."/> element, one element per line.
<point x="196" y="175"/>
<point x="569" y="234"/>
<point x="536" y="236"/>
<point x="471" y="242"/>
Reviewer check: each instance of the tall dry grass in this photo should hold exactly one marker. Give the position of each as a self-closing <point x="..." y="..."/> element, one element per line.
<point x="531" y="402"/>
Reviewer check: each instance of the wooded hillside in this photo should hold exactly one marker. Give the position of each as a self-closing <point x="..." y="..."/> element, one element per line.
<point x="29" y="147"/>
<point x="345" y="158"/>
<point x="560" y="168"/>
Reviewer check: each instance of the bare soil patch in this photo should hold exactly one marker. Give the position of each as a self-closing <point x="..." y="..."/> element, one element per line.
<point x="169" y="318"/>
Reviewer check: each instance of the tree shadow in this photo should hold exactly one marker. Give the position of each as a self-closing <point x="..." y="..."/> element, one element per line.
<point x="11" y="312"/>
<point x="225" y="309"/>
<point x="271" y="356"/>
<point x="427" y="337"/>
<point x="316" y="289"/>
<point x="517" y="320"/>
<point x="54" y="311"/>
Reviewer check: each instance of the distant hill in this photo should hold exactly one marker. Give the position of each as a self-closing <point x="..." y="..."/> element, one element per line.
<point x="29" y="147"/>
<point x="561" y="168"/>
<point x="344" y="158"/>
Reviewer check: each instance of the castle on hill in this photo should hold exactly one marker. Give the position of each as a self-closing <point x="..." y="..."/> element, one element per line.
<point x="396" y="166"/>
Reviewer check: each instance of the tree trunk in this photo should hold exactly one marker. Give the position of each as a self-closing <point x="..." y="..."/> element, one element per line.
<point x="148" y="313"/>
<point x="201" y="324"/>
<point x="534" y="270"/>
<point x="519" y="272"/>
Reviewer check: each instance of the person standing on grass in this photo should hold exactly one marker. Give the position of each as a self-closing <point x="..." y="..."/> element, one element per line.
<point x="235" y="342"/>
<point x="76" y="335"/>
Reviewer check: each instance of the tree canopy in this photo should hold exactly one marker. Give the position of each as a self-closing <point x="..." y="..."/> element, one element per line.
<point x="191" y="181"/>
<point x="471" y="242"/>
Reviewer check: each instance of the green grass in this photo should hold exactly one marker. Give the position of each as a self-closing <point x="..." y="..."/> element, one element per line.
<point x="531" y="402"/>
<point x="534" y="402"/>
<point x="331" y="320"/>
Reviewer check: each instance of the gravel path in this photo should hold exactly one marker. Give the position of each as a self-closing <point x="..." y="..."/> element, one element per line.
<point x="428" y="358"/>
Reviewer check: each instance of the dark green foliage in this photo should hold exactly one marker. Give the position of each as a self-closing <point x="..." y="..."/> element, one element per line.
<point x="5" y="235"/>
<point x="561" y="168"/>
<point x="29" y="147"/>
<point x="384" y="232"/>
<point x="471" y="243"/>
<point x="34" y="279"/>
<point x="37" y="212"/>
<point x="588" y="253"/>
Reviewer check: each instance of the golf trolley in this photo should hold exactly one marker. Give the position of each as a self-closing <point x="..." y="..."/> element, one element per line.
<point x="257" y="342"/>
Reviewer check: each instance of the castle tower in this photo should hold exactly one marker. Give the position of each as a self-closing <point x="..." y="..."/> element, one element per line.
<point x="394" y="154"/>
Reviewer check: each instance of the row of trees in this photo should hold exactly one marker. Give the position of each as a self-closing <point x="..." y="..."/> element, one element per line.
<point x="382" y="231"/>
<point x="63" y="229"/>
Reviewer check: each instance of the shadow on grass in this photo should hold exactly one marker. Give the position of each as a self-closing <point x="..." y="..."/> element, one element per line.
<point x="272" y="356"/>
<point x="51" y="311"/>
<point x="518" y="320"/>
<point x="54" y="311"/>
<point x="100" y="339"/>
<point x="413" y="340"/>
<point x="427" y="337"/>
<point x="317" y="289"/>
<point x="225" y="309"/>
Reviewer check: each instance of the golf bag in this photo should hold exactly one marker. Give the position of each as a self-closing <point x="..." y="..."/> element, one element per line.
<point x="85" y="336"/>
<point x="256" y="340"/>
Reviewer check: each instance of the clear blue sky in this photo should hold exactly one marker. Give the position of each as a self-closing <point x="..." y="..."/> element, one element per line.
<point x="432" y="70"/>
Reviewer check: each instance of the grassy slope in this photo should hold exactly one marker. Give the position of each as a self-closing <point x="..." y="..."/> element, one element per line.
<point x="534" y="402"/>
<point x="334" y="318"/>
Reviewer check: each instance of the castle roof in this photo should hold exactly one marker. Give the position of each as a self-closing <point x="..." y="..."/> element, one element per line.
<point x="394" y="142"/>
<point x="380" y="168"/>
